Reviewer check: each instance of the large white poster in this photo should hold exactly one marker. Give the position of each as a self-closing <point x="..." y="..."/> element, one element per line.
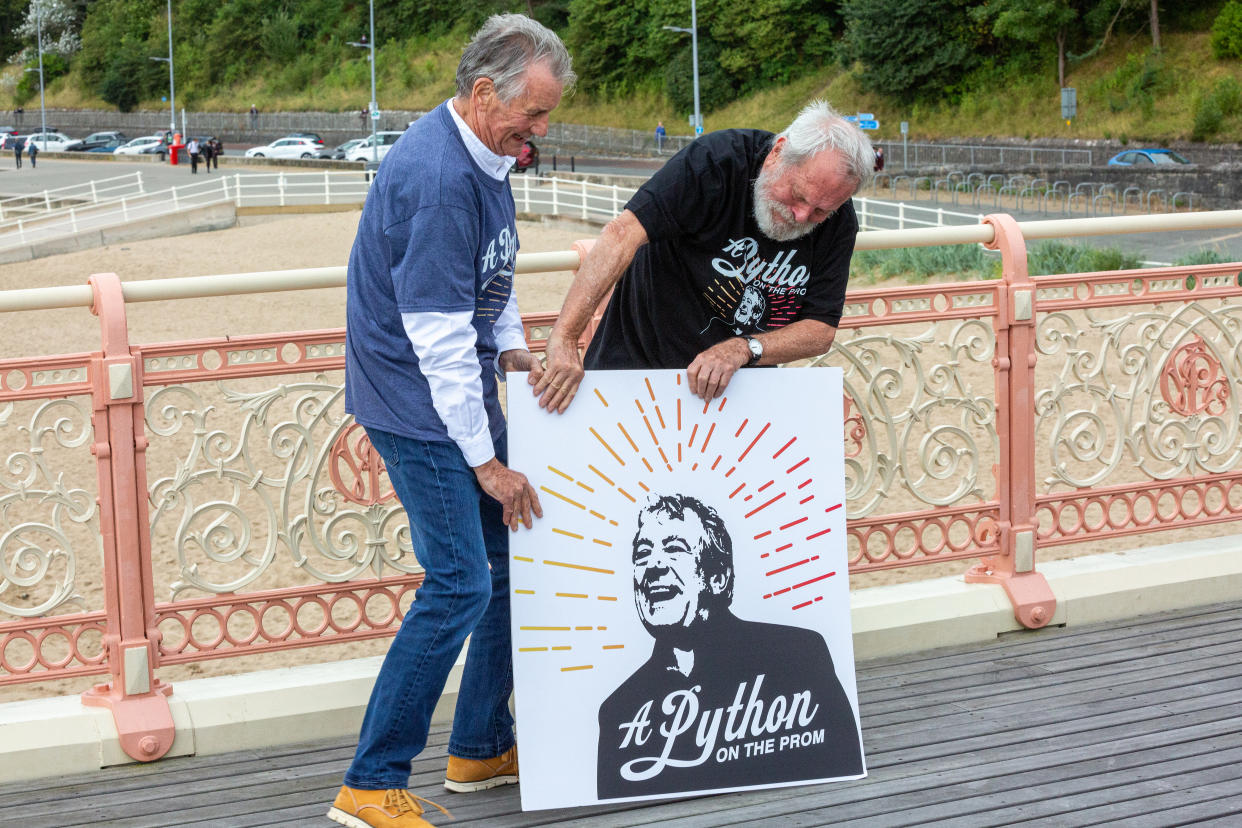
<point x="681" y="612"/>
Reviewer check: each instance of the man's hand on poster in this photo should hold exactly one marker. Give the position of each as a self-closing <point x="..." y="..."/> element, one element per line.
<point x="513" y="491"/>
<point x="711" y="370"/>
<point x="518" y="360"/>
<point x="561" y="376"/>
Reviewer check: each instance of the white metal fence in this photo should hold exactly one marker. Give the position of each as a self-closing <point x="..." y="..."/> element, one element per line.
<point x="88" y="192"/>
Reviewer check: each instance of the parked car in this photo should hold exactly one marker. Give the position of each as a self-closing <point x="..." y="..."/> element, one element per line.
<point x="338" y="152"/>
<point x="8" y="139"/>
<point x="285" y="148"/>
<point x="1146" y="158"/>
<point x="99" y="142"/>
<point x="314" y="136"/>
<point x="146" y="144"/>
<point x="363" y="152"/>
<point x="49" y="141"/>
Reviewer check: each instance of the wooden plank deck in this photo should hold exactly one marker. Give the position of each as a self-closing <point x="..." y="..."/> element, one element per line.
<point x="1136" y="723"/>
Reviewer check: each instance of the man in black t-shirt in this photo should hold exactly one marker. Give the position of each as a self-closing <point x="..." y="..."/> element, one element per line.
<point x="736" y="210"/>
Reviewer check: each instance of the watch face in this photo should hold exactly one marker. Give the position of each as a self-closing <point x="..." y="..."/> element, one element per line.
<point x="756" y="347"/>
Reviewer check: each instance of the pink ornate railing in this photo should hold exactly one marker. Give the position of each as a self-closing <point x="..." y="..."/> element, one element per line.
<point x="240" y="511"/>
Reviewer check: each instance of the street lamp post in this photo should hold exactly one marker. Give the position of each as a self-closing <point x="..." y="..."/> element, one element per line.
<point x="370" y="44"/>
<point x="172" y="86"/>
<point x="694" y="56"/>
<point x="42" y="103"/>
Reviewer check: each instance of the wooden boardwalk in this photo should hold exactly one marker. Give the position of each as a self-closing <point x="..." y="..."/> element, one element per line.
<point x="1136" y="723"/>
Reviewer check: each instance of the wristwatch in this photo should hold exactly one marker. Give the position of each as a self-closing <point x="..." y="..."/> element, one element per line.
<point x="756" y="349"/>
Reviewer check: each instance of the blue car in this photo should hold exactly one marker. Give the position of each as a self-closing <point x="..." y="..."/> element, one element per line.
<point x="1146" y="158"/>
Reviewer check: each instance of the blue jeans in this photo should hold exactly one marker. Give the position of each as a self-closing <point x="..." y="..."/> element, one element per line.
<point x="457" y="533"/>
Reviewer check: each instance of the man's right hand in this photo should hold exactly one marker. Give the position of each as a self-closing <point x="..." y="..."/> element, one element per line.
<point x="512" y="489"/>
<point x="561" y="375"/>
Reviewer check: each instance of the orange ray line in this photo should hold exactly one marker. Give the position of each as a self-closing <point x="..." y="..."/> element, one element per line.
<point x="693" y="432"/>
<point x="583" y="568"/>
<point x="781" y="450"/>
<point x="762" y="431"/>
<point x="735" y="491"/>
<point x="664" y="457"/>
<point x="719" y="457"/>
<point x="649" y="389"/>
<point x="597" y="514"/>
<point x="651" y="431"/>
<point x="742" y="427"/>
<point x="763" y="534"/>
<point x="561" y="496"/>
<point x="643" y="486"/>
<point x="601" y="398"/>
<point x="765" y="505"/>
<point x="532" y="649"/>
<point x="660" y="417"/>
<point x="723" y="400"/>
<point x="679" y="415"/>
<point x="610" y="451"/>
<point x="587" y="627"/>
<point x="679" y="452"/>
<point x="555" y="470"/>
<point x="648" y="465"/>
<point x="731" y="470"/>
<point x="628" y="437"/>
<point x="708" y="438"/>
<point x="627" y="494"/>
<point x="561" y="648"/>
<point x="600" y="473"/>
<point x="640" y="406"/>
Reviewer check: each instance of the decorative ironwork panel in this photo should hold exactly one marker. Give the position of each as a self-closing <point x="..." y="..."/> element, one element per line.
<point x="256" y="486"/>
<point x="920" y="437"/>
<point x="1133" y="395"/>
<point x="48" y="515"/>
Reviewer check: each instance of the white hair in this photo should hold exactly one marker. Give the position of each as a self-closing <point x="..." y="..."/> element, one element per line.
<point x="819" y="127"/>
<point x="504" y="48"/>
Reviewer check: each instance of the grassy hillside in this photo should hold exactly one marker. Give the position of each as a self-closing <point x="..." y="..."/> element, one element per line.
<point x="1125" y="92"/>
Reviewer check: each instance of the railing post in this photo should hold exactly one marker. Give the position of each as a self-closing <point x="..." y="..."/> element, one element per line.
<point x="137" y="699"/>
<point x="281" y="187"/>
<point x="584" y="199"/>
<point x="94" y="195"/>
<point x="327" y="188"/>
<point x="237" y="192"/>
<point x="1014" y="568"/>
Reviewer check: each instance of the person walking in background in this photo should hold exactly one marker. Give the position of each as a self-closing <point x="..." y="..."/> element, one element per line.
<point x="362" y="117"/>
<point x="879" y="159"/>
<point x="32" y="147"/>
<point x="254" y="117"/>
<point x="431" y="324"/>
<point x="17" y="150"/>
<point x="217" y="149"/>
<point x="659" y="135"/>
<point x="194" y="150"/>
<point x="207" y="152"/>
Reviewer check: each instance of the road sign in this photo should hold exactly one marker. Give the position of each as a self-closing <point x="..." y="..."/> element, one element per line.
<point x="698" y="129"/>
<point x="1069" y="102"/>
<point x="868" y="124"/>
<point x="865" y="116"/>
<point x="853" y="119"/>
<point x="905" y="127"/>
<point x="375" y="114"/>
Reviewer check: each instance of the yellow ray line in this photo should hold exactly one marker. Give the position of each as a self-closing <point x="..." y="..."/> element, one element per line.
<point x="545" y="629"/>
<point x="643" y="486"/>
<point x="573" y="535"/>
<point x="628" y="437"/>
<point x="627" y="494"/>
<point x="601" y="543"/>
<point x="605" y="598"/>
<point x="600" y="473"/>
<point x="555" y="470"/>
<point x="649" y="468"/>
<point x="562" y="497"/>
<point x="601" y="398"/>
<point x="523" y="558"/>
<point x="583" y="568"/>
<point x="532" y="649"/>
<point x="614" y="647"/>
<point x="524" y="591"/>
<point x="610" y="451"/>
<point x="597" y="514"/>
<point x="561" y="648"/>
<point x="587" y="627"/>
<point x="579" y="667"/>
<point x="572" y="595"/>
<point x="584" y="486"/>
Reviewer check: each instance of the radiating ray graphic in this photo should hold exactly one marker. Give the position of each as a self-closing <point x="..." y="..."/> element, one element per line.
<point x="789" y="545"/>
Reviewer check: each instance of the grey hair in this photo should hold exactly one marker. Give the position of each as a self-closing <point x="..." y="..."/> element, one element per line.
<point x="819" y="127"/>
<point x="504" y="48"/>
<point x="716" y="556"/>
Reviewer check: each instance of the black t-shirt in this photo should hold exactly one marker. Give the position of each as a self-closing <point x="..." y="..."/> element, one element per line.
<point x="707" y="273"/>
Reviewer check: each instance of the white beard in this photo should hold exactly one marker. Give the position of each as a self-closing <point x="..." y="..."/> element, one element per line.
<point x="775" y="220"/>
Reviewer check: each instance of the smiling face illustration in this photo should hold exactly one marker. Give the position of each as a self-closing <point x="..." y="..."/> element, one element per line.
<point x="668" y="580"/>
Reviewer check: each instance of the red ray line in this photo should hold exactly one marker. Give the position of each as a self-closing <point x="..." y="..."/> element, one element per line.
<point x="693" y="432"/>
<point x="813" y="580"/>
<point x="705" y="405"/>
<point x="808" y="603"/>
<point x="788" y="567"/>
<point x="735" y="491"/>
<point x="763" y="534"/>
<point x="833" y="508"/>
<point x="723" y="400"/>
<point x="762" y="431"/>
<point x="782" y="548"/>
<point x="794" y="523"/>
<point x="742" y="427"/>
<point x="796" y="465"/>
<point x="719" y="457"/>
<point x="731" y="470"/>
<point x="804" y="483"/>
<point x="782" y="448"/>
<point x="765" y="485"/>
<point x="806" y="500"/>
<point x="817" y="534"/>
<point x="764" y="506"/>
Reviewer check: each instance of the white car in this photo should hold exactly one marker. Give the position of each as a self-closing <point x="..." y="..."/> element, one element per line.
<point x="55" y="141"/>
<point x="363" y="152"/>
<point x="138" y="145"/>
<point x="285" y="148"/>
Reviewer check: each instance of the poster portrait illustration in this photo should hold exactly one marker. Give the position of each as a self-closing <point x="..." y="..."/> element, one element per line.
<point x="681" y="613"/>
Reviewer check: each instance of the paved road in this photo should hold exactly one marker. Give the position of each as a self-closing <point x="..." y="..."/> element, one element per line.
<point x="52" y="173"/>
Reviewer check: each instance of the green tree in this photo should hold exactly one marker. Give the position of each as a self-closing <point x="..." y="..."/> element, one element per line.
<point x="912" y="48"/>
<point x="1227" y="31"/>
<point x="1033" y="21"/>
